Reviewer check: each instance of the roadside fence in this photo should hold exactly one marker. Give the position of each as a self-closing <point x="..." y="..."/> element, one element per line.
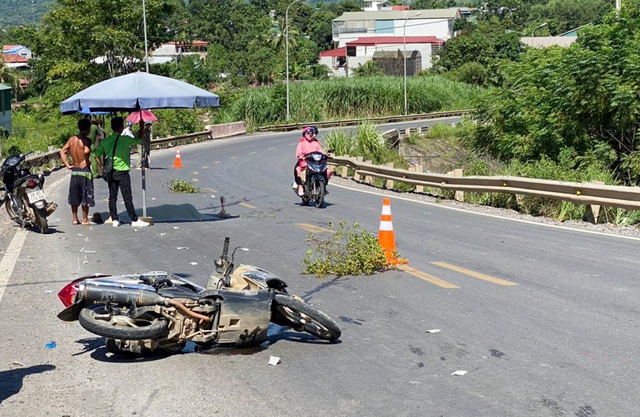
<point x="594" y="194"/>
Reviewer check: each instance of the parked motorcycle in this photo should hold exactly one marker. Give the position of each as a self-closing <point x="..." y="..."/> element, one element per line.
<point x="23" y="194"/>
<point x="158" y="311"/>
<point x="315" y="179"/>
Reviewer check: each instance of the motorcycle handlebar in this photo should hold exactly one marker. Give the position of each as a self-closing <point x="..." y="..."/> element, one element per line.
<point x="225" y="250"/>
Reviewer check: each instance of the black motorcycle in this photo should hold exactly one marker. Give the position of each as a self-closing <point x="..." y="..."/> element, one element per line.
<point x="315" y="179"/>
<point x="160" y="312"/>
<point x="23" y="194"/>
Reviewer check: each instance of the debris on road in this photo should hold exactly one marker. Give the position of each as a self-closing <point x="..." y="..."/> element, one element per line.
<point x="433" y="331"/>
<point x="274" y="360"/>
<point x="459" y="373"/>
<point x="51" y="345"/>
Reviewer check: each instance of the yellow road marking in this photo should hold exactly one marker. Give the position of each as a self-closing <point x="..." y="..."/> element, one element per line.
<point x="195" y="180"/>
<point x="217" y="162"/>
<point x="209" y="190"/>
<point x="205" y="167"/>
<point x="313" y="229"/>
<point x="247" y="205"/>
<point x="253" y="153"/>
<point x="429" y="278"/>
<point x="234" y="157"/>
<point x="270" y="149"/>
<point x="475" y="274"/>
<point x="195" y="173"/>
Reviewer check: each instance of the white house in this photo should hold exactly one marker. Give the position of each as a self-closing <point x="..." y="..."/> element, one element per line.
<point x="387" y="51"/>
<point x="19" y="50"/>
<point x="172" y="51"/>
<point x="357" y="25"/>
<point x="375" y="5"/>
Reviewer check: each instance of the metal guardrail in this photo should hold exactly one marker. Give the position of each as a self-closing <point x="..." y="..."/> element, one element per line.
<point x="351" y="122"/>
<point x="578" y="193"/>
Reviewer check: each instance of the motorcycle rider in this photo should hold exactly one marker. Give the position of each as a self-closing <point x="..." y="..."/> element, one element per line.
<point x="307" y="144"/>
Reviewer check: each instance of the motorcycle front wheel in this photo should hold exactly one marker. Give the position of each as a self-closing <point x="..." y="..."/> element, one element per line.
<point x="306" y="318"/>
<point x="319" y="194"/>
<point x="8" y="204"/>
<point x="41" y="219"/>
<point x="98" y="320"/>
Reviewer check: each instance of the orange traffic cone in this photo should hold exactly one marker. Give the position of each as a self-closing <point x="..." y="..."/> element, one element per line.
<point x="178" y="162"/>
<point x="386" y="237"/>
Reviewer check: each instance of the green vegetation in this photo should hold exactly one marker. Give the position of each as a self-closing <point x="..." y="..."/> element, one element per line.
<point x="182" y="186"/>
<point x="349" y="250"/>
<point x="345" y="98"/>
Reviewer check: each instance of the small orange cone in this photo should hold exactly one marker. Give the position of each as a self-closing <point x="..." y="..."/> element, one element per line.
<point x="386" y="237"/>
<point x="178" y="162"/>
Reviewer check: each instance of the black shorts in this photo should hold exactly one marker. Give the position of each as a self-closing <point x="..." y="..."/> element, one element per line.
<point x="81" y="188"/>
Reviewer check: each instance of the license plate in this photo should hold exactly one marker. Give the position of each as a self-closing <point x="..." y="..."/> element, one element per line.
<point x="35" y="195"/>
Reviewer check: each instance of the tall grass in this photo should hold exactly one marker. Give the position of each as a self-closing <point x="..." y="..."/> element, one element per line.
<point x="348" y="98"/>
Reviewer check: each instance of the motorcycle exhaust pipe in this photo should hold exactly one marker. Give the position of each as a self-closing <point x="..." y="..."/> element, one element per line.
<point x="122" y="296"/>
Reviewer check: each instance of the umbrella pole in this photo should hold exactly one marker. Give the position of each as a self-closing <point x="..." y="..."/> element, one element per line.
<point x="142" y="167"/>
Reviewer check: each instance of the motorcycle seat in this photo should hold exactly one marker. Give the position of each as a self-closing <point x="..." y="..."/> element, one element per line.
<point x="179" y="292"/>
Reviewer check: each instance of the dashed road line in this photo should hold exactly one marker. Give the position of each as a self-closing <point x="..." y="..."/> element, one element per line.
<point x="314" y="229"/>
<point x="429" y="278"/>
<point x="247" y="205"/>
<point x="474" y="274"/>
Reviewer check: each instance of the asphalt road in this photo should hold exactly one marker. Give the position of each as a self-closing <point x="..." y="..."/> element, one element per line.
<point x="543" y="320"/>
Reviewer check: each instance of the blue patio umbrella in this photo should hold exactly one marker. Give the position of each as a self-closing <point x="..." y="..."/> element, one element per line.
<point x="139" y="91"/>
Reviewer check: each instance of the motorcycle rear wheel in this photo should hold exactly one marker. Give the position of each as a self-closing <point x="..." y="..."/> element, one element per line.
<point x="307" y="318"/>
<point x="41" y="219"/>
<point x="98" y="320"/>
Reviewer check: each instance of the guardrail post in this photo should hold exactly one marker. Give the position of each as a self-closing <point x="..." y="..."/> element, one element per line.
<point x="389" y="183"/>
<point x="593" y="210"/>
<point x="419" y="188"/>
<point x="368" y="179"/>
<point x="356" y="175"/>
<point x="459" y="195"/>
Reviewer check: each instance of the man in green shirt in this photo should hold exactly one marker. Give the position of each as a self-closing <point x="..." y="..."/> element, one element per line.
<point x="120" y="179"/>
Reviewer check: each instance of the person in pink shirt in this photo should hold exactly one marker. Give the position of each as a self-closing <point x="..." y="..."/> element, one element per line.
<point x="307" y="144"/>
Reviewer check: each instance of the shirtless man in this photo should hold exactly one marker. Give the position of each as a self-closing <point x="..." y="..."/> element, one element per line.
<point x="81" y="184"/>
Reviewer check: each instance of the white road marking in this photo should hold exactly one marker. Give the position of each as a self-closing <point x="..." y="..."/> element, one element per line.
<point x="8" y="262"/>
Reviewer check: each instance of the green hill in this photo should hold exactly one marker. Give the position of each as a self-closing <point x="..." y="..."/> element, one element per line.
<point x="22" y="12"/>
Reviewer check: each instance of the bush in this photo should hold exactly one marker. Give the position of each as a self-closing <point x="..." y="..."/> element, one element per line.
<point x="181" y="186"/>
<point x="348" y="251"/>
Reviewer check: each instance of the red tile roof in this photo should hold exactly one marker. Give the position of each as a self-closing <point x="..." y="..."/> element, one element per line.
<point x="9" y="47"/>
<point x="335" y="52"/>
<point x="14" y="59"/>
<point x="382" y="40"/>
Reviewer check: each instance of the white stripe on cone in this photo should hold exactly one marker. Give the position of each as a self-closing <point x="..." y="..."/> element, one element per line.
<point x="386" y="210"/>
<point x="386" y="226"/>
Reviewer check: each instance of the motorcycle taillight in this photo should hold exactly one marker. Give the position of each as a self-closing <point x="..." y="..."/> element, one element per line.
<point x="68" y="294"/>
<point x="32" y="183"/>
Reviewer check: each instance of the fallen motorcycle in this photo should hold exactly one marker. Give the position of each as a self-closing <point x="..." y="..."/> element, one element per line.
<point x="160" y="312"/>
<point x="23" y="194"/>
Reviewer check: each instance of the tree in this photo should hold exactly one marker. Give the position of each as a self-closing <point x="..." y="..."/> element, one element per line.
<point x="77" y="32"/>
<point x="585" y="97"/>
<point x="368" y="69"/>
